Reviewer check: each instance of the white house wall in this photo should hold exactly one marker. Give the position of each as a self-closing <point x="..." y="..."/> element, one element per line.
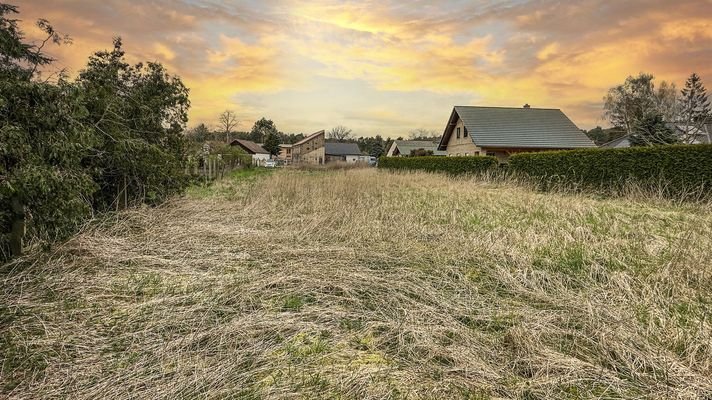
<point x="260" y="159"/>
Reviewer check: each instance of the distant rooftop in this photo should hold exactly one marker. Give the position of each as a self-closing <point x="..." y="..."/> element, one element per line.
<point x="341" y="149"/>
<point x="249" y="146"/>
<point x="310" y="137"/>
<point x="406" y="146"/>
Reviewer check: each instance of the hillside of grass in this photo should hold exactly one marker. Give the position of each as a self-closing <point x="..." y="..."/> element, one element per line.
<point x="367" y="284"/>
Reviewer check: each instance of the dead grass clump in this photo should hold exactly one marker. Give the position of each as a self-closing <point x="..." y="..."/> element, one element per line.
<point x="365" y="284"/>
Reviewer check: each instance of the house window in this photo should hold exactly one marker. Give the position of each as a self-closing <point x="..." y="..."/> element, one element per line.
<point x="464" y="132"/>
<point x="458" y="133"/>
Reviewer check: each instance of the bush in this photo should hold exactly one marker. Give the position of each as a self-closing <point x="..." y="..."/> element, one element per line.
<point x="679" y="170"/>
<point x="450" y="165"/>
<point x="70" y="149"/>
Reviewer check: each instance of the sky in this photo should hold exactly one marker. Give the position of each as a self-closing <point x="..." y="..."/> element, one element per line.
<point x="387" y="67"/>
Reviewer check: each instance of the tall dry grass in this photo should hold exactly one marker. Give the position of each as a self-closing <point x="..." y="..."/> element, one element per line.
<point x="366" y="284"/>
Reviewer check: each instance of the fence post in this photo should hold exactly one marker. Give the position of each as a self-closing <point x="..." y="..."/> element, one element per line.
<point x="126" y="193"/>
<point x="18" y="227"/>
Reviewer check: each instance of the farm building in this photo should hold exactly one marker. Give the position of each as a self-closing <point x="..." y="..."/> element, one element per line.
<point x="259" y="154"/>
<point x="405" y="148"/>
<point x="503" y="131"/>
<point x="345" y="152"/>
<point x="309" y="150"/>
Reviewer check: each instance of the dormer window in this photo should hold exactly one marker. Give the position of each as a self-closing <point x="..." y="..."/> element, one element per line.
<point x="464" y="132"/>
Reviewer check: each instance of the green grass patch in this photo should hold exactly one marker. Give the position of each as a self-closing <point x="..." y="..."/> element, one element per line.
<point x="295" y="302"/>
<point x="231" y="185"/>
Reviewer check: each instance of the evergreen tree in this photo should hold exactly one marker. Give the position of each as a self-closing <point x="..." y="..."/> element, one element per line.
<point x="139" y="112"/>
<point x="694" y="108"/>
<point x="43" y="149"/>
<point x="598" y="135"/>
<point x="199" y="134"/>
<point x="376" y="150"/>
<point x="652" y="130"/>
<point x="272" y="143"/>
<point x="69" y="149"/>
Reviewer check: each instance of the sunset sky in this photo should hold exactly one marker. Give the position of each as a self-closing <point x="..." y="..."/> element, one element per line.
<point x="387" y="67"/>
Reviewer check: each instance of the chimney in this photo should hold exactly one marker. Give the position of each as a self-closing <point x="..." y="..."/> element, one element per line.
<point x="527" y="106"/>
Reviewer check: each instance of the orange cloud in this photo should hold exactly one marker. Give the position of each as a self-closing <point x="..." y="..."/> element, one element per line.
<point x="284" y="56"/>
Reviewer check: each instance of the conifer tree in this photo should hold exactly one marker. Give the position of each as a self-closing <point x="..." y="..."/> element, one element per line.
<point x="694" y="109"/>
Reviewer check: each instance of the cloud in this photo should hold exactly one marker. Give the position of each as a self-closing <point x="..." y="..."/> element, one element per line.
<point x="544" y="52"/>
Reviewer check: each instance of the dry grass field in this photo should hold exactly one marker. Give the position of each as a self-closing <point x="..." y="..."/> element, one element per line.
<point x="367" y="284"/>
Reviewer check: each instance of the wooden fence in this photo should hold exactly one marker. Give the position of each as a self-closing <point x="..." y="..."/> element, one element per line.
<point x="215" y="166"/>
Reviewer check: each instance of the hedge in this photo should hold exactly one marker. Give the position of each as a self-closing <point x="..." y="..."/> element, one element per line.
<point x="678" y="170"/>
<point x="450" y="165"/>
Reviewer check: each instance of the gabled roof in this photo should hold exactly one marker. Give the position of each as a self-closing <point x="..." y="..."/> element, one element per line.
<point x="406" y="146"/>
<point x="698" y="135"/>
<point x="308" y="138"/>
<point x="249" y="146"/>
<point x="503" y="127"/>
<point x="341" y="149"/>
<point x="623" y="141"/>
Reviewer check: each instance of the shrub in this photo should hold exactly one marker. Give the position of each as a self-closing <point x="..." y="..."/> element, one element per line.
<point x="679" y="170"/>
<point x="69" y="149"/>
<point x="450" y="165"/>
<point x="138" y="114"/>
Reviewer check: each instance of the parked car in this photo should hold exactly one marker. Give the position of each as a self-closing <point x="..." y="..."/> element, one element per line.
<point x="372" y="161"/>
<point x="270" y="164"/>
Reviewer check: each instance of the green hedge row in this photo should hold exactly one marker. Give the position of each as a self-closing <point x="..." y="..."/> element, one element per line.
<point x="678" y="170"/>
<point x="451" y="165"/>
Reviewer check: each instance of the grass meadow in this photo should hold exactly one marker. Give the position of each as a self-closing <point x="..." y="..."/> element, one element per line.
<point x="365" y="284"/>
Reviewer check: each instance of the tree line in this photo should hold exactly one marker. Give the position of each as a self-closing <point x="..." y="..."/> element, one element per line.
<point x="264" y="131"/>
<point x="655" y="115"/>
<point x="70" y="148"/>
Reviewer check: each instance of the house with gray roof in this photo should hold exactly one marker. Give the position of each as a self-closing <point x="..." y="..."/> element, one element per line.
<point x="345" y="152"/>
<point x="687" y="134"/>
<point x="621" y="142"/>
<point x="404" y="148"/>
<point x="503" y="131"/>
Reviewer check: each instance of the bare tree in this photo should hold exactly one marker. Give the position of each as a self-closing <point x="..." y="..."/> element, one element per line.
<point x="637" y="100"/>
<point x="667" y="101"/>
<point x="339" y="133"/>
<point x="228" y="121"/>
